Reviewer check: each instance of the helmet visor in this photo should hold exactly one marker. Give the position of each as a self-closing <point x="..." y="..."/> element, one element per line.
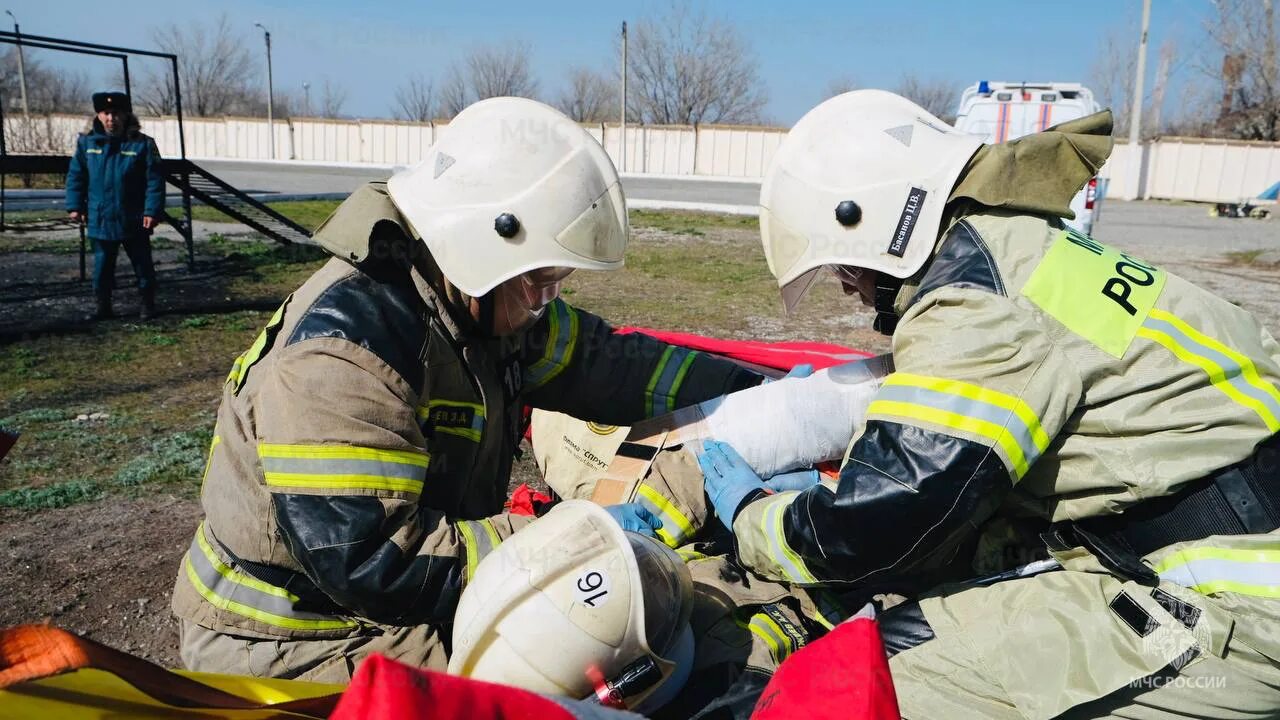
<point x="520" y="301"/>
<point x="668" y="593"/>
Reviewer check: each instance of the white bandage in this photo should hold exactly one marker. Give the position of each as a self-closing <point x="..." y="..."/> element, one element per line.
<point x="797" y="422"/>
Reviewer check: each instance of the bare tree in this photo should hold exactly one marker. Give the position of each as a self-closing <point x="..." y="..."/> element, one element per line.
<point x="687" y="68"/>
<point x="590" y="97"/>
<point x="49" y="89"/>
<point x="416" y="99"/>
<point x="936" y="96"/>
<point x="332" y="98"/>
<point x="839" y="85"/>
<point x="218" y="74"/>
<point x="1112" y="72"/>
<point x="1244" y="36"/>
<point x="490" y="71"/>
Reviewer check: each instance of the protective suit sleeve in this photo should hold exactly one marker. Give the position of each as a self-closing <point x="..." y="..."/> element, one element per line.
<point x="978" y="393"/>
<point x="343" y="458"/>
<point x="576" y="364"/>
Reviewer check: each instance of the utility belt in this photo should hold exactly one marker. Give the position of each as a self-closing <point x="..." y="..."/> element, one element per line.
<point x="1242" y="499"/>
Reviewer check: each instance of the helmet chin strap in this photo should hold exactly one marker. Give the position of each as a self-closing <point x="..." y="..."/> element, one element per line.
<point x="887" y="287"/>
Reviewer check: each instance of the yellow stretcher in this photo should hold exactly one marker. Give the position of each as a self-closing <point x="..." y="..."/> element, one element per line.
<point x="47" y="673"/>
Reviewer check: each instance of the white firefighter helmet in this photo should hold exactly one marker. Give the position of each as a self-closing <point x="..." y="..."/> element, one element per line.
<point x="573" y="605"/>
<point x="860" y="181"/>
<point x="513" y="185"/>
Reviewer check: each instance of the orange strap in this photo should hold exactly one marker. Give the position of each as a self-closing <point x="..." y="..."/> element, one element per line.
<point x="32" y="652"/>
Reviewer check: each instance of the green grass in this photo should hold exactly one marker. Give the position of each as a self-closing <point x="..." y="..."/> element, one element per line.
<point x="1244" y="257"/>
<point x="684" y="222"/>
<point x="54" y="495"/>
<point x="307" y="213"/>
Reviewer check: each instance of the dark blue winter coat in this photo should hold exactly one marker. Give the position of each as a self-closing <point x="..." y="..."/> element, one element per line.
<point x="116" y="181"/>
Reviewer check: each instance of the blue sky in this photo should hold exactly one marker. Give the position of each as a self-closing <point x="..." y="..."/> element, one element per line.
<point x="368" y="48"/>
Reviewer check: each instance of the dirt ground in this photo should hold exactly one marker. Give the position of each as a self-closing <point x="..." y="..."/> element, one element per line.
<point x="106" y="568"/>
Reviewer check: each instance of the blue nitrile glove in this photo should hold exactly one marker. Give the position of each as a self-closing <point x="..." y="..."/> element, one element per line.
<point x="635" y="518"/>
<point x="795" y="480"/>
<point x="803" y="370"/>
<point x="728" y="479"/>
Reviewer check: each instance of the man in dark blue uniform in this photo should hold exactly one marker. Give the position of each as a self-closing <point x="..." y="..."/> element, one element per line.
<point x="114" y="184"/>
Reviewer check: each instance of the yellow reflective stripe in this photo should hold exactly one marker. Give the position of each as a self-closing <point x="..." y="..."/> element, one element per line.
<point x="343" y="467"/>
<point x="494" y="539"/>
<point x="1248" y="369"/>
<point x="562" y="338"/>
<point x="234" y="375"/>
<point x="251" y="356"/>
<point x="343" y="482"/>
<point x="470" y="546"/>
<point x="209" y="461"/>
<point x="343" y="452"/>
<point x="1162" y="327"/>
<point x="261" y="615"/>
<point x="236" y="577"/>
<point x="790" y="564"/>
<point x="980" y="394"/>
<point x="688" y="554"/>
<point x="1210" y="570"/>
<point x="995" y="433"/>
<point x="468" y="433"/>
<point x="667" y="512"/>
<point x="251" y="585"/>
<point x="653" y="379"/>
<point x="1182" y="557"/>
<point x="764" y="627"/>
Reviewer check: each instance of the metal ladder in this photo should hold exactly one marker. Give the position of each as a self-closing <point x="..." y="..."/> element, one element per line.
<point x="217" y="193"/>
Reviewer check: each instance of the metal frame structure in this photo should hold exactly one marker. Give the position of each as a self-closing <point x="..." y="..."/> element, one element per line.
<point x="183" y="226"/>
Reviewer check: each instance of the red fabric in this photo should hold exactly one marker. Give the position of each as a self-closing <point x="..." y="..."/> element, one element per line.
<point x="525" y="500"/>
<point x="844" y="675"/>
<point x="388" y="690"/>
<point x="776" y="355"/>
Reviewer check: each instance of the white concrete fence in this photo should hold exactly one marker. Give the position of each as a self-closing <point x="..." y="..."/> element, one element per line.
<point x="1169" y="168"/>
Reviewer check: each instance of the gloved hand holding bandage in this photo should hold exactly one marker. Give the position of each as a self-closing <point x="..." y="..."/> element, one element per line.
<point x="797" y="422"/>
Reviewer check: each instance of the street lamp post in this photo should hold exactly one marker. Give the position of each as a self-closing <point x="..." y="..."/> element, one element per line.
<point x="306" y="99"/>
<point x="271" y="129"/>
<point x="622" y="119"/>
<point x="22" y="73"/>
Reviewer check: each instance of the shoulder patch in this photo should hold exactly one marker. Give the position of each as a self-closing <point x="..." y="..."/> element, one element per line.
<point x="964" y="261"/>
<point x="387" y="319"/>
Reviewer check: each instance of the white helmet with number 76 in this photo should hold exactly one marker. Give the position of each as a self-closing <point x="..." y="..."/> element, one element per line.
<point x="573" y="605"/>
<point x="859" y="182"/>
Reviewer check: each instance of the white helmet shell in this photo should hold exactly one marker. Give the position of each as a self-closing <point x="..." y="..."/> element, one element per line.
<point x="571" y="601"/>
<point x="514" y="185"/>
<point x="887" y="159"/>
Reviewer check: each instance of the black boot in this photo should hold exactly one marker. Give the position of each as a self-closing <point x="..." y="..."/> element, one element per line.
<point x="148" y="310"/>
<point x="103" y="311"/>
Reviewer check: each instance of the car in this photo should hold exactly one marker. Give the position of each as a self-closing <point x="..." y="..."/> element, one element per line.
<point x="1002" y="111"/>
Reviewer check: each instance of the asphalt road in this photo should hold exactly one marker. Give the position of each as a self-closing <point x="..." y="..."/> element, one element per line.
<point x="265" y="179"/>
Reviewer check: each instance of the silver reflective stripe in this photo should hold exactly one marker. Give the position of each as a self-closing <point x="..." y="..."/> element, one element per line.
<point x="231" y="590"/>
<point x="1234" y="373"/>
<point x="667" y="379"/>
<point x="791" y="565"/>
<point x="968" y="407"/>
<point x="1215" y="575"/>
<point x="343" y="466"/>
<point x="563" y="323"/>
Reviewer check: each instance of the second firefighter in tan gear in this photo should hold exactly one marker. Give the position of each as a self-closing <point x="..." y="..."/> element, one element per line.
<point x="363" y="447"/>
<point x="1043" y="380"/>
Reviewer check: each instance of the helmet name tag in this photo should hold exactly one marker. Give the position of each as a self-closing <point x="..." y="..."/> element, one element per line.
<point x="593" y="588"/>
<point x="907" y="223"/>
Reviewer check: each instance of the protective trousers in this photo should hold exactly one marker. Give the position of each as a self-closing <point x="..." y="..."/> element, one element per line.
<point x="105" y="253"/>
<point x="324" y="660"/>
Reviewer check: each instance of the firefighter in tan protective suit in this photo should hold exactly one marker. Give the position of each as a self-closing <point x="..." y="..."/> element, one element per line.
<point x="363" y="448"/>
<point x="1045" y="385"/>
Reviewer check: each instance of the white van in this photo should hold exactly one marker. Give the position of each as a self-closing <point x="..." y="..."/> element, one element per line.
<point x="1001" y="111"/>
